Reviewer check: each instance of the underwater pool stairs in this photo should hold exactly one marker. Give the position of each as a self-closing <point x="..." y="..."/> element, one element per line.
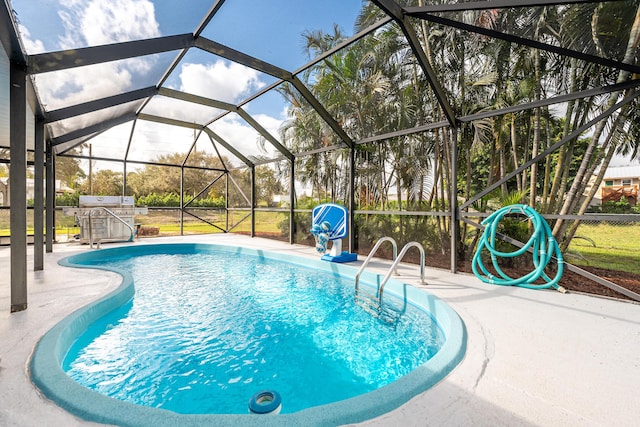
<point x="534" y="358"/>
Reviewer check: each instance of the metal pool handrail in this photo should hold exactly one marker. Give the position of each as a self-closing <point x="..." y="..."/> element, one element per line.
<point x="372" y="253"/>
<point x="397" y="261"/>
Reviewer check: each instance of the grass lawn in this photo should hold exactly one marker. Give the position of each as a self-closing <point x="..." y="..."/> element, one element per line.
<point x="266" y="222"/>
<point x="610" y="246"/>
<point x="603" y="245"/>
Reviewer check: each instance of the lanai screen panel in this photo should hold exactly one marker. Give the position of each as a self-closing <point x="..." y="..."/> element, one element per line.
<point x="161" y="143"/>
<point x="50" y="25"/>
<point x="372" y="87"/>
<point x="230" y="158"/>
<point x="59" y="89"/>
<point x="80" y="122"/>
<point x="208" y="75"/>
<point x="240" y="135"/>
<point x="110" y="144"/>
<point x="272" y="31"/>
<point x="176" y="109"/>
<point x="300" y="127"/>
<point x="204" y="154"/>
<point x="73" y="145"/>
<point x="270" y="110"/>
<point x="600" y="29"/>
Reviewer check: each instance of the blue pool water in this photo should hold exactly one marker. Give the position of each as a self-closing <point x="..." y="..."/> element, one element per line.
<point x="194" y="330"/>
<point x="215" y="328"/>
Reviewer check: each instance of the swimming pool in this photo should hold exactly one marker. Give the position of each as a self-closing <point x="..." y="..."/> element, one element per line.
<point x="55" y="348"/>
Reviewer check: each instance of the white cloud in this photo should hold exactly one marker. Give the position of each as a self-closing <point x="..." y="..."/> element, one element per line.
<point x="271" y="124"/>
<point x="230" y="82"/>
<point x="96" y="22"/>
<point x="32" y="46"/>
<point x="221" y="81"/>
<point x="99" y="22"/>
<point x="79" y="85"/>
<point x="243" y="137"/>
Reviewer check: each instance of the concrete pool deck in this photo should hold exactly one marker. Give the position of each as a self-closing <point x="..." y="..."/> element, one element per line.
<point x="534" y="358"/>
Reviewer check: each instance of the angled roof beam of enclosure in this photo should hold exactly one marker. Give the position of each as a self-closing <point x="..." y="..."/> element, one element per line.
<point x="228" y="107"/>
<point x="99" y="127"/>
<point x="190" y="125"/>
<point x="72" y="58"/>
<point x="362" y="33"/>
<point x="241" y="58"/>
<point x="196" y="99"/>
<point x="215" y="137"/>
<point x="265" y="134"/>
<point x="628" y="84"/>
<point x="492" y="4"/>
<point x="66" y="151"/>
<point x="98" y="104"/>
<point x="257" y="64"/>
<point x="313" y="62"/>
<point x="394" y="10"/>
<point x="576" y="133"/>
<point x="214" y="9"/>
<point x="171" y="93"/>
<point x="9" y="36"/>
<point x="228" y="146"/>
<point x="528" y="42"/>
<point x="168" y="121"/>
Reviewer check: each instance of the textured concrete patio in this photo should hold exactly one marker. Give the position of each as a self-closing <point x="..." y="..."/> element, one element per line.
<point x="534" y="358"/>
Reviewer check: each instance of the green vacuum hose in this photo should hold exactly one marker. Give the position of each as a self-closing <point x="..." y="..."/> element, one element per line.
<point x="543" y="244"/>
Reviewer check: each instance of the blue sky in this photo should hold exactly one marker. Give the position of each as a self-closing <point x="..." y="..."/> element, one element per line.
<point x="269" y="30"/>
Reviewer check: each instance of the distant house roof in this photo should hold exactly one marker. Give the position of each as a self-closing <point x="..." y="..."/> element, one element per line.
<point x="618" y="172"/>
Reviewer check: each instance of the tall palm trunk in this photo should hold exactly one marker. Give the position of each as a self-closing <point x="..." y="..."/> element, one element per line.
<point x="592" y="192"/>
<point x="578" y="184"/>
<point x="562" y="156"/>
<point x="514" y="151"/>
<point x="536" y="133"/>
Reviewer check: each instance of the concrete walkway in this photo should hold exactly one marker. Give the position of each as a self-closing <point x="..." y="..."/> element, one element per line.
<point x="534" y="358"/>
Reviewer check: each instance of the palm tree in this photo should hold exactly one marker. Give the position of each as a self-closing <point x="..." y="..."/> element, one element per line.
<point x="605" y="16"/>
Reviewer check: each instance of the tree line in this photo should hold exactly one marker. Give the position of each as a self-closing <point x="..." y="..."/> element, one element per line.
<point x="159" y="184"/>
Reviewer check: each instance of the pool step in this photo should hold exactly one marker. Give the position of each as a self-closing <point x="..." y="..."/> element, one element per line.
<point x="372" y="305"/>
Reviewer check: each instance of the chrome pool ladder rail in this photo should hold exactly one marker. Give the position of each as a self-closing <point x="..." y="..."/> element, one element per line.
<point x="371" y="302"/>
<point x="395" y="266"/>
<point x="109" y="212"/>
<point x="372" y="253"/>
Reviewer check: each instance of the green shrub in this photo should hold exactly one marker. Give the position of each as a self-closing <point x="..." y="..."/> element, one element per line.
<point x="620" y="207"/>
<point x="68" y="199"/>
<point x="173" y="200"/>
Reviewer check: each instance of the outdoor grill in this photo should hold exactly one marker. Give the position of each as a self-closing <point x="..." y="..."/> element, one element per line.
<point x="105" y="218"/>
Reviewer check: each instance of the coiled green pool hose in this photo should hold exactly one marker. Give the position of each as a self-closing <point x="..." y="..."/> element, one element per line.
<point x="543" y="244"/>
